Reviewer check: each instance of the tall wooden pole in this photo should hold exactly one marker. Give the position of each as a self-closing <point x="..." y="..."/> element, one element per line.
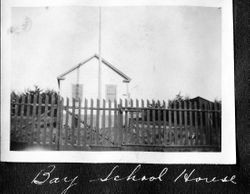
<point x="100" y="58"/>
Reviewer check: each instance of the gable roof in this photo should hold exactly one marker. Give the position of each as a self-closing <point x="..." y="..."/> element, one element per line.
<point x="200" y="98"/>
<point x="105" y="62"/>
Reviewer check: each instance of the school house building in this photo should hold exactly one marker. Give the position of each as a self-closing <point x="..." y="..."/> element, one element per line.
<point x="91" y="80"/>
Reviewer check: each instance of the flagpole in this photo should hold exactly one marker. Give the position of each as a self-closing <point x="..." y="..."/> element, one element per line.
<point x="100" y="57"/>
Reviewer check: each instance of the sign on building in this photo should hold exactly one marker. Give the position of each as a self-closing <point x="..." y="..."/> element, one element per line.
<point x="111" y="92"/>
<point x="77" y="90"/>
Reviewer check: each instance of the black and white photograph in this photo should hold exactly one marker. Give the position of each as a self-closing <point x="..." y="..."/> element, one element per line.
<point x="140" y="83"/>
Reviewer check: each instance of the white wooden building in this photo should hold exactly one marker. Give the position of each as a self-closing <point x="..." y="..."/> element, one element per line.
<point x="84" y="81"/>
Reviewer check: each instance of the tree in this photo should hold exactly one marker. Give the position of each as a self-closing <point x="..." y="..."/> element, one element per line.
<point x="36" y="91"/>
<point x="178" y="98"/>
<point x="31" y="93"/>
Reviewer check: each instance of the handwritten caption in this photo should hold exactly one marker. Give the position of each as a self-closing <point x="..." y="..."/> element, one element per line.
<point x="47" y="177"/>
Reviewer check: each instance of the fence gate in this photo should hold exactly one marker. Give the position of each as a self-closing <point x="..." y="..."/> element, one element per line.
<point x="144" y="126"/>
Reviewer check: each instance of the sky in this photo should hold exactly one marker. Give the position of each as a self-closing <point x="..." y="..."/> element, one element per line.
<point x="163" y="49"/>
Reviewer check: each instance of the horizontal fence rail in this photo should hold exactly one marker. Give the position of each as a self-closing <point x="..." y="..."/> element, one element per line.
<point x="52" y="122"/>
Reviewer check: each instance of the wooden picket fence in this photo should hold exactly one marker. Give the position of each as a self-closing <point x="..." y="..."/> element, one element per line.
<point x="53" y="123"/>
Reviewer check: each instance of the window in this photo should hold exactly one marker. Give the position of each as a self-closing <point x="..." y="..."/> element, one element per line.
<point x="111" y="92"/>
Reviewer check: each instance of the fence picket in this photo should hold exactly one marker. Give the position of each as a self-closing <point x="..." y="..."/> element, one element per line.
<point x="60" y="124"/>
<point x="73" y="122"/>
<point x="202" y="131"/>
<point x="137" y="123"/>
<point x="91" y="121"/>
<point x="79" y="135"/>
<point x="28" y="133"/>
<point x="197" y="140"/>
<point x="22" y="124"/>
<point x="126" y="122"/>
<point x="33" y="128"/>
<point x="164" y="124"/>
<point x="103" y="115"/>
<point x="186" y="139"/>
<point x="16" y="119"/>
<point x="52" y="119"/>
<point x="85" y="122"/>
<point x="67" y="132"/>
<point x="109" y="120"/>
<point x="120" y="128"/>
<point x="45" y="120"/>
<point x="217" y="123"/>
<point x="97" y="122"/>
<point x="175" y="125"/>
<point x="205" y="124"/>
<point x="154" y="131"/>
<point x="191" y="123"/>
<point x="39" y="119"/>
<point x="143" y="134"/>
<point x="180" y="139"/>
<point x="158" y="128"/>
<point x="209" y="124"/>
<point x="149" y="136"/>
<point x="170" y="124"/>
<point x="131" y="122"/>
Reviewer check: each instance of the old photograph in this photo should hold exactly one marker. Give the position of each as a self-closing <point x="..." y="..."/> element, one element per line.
<point x="150" y="81"/>
<point x="136" y="79"/>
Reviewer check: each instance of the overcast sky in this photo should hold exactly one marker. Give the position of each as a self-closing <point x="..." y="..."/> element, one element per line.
<point x="163" y="49"/>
